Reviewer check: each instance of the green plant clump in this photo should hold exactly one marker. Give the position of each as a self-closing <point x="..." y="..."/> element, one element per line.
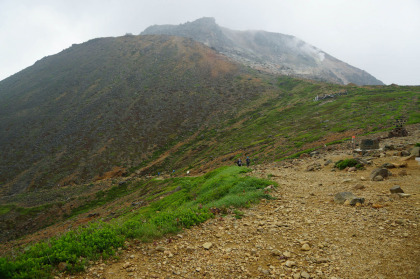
<point x="342" y="164"/>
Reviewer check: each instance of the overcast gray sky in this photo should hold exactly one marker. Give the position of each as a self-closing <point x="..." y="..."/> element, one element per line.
<point x="381" y="37"/>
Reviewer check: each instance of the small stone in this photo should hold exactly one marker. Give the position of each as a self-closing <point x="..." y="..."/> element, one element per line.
<point x="388" y="166"/>
<point x="356" y="200"/>
<point x="352" y="169"/>
<point x="305" y="247"/>
<point x="276" y="252"/>
<point x="160" y="249"/>
<point x="305" y="275"/>
<point x="359" y="187"/>
<point x="378" y="178"/>
<point x="287" y="254"/>
<point x="400" y="221"/>
<point x="396" y="189"/>
<point x="321" y="260"/>
<point x="290" y="263"/>
<point x="207" y="245"/>
<point x="126" y="265"/>
<point x="198" y="269"/>
<point x="403" y="195"/>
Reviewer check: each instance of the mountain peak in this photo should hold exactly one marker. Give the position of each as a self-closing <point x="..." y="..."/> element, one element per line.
<point x="272" y="52"/>
<point x="205" y="21"/>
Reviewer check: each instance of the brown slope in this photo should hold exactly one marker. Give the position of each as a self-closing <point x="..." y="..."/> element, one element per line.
<point x="108" y="102"/>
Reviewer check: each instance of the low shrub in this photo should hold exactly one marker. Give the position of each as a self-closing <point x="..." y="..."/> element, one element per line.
<point x="342" y="164"/>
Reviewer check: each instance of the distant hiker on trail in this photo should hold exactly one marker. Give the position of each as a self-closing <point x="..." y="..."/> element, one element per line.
<point x="239" y="162"/>
<point x="248" y="161"/>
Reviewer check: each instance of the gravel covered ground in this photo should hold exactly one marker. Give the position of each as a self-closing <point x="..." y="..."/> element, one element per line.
<point x="302" y="233"/>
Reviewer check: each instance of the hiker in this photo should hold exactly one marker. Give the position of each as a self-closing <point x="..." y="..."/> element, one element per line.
<point x="248" y="161"/>
<point x="239" y="162"/>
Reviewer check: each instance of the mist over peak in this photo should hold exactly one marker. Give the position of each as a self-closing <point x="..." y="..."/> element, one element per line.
<point x="267" y="51"/>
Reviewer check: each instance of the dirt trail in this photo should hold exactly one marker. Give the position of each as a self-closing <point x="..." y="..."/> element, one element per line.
<point x="302" y="233"/>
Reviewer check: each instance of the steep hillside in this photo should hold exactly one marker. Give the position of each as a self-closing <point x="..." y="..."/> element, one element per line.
<point x="155" y="103"/>
<point x="110" y="103"/>
<point x="273" y="52"/>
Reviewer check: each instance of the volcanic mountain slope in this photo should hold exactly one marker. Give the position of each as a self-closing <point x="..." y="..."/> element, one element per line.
<point x="110" y="102"/>
<point x="154" y="103"/>
<point x="274" y="52"/>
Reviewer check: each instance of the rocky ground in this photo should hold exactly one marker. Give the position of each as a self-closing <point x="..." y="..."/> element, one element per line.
<point x="303" y="232"/>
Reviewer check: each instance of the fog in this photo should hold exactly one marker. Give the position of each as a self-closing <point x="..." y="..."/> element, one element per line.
<point x="378" y="36"/>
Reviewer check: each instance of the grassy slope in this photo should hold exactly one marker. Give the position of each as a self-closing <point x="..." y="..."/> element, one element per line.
<point x="281" y="121"/>
<point x="173" y="204"/>
<point x="286" y="120"/>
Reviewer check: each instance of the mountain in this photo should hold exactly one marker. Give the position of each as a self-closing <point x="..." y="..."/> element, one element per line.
<point x="110" y="103"/>
<point x="137" y="105"/>
<point x="273" y="52"/>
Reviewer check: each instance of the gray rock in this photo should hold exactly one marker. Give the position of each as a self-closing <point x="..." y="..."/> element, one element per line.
<point x="328" y="162"/>
<point x="357" y="200"/>
<point x="388" y="166"/>
<point x="276" y="252"/>
<point x="396" y="189"/>
<point x="341" y="197"/>
<point x="305" y="247"/>
<point x="290" y="263"/>
<point x="348" y="198"/>
<point x="379" y="172"/>
<point x="389" y="147"/>
<point x="160" y="249"/>
<point x="287" y="254"/>
<point x="405" y="153"/>
<point x="378" y="178"/>
<point x="207" y="245"/>
<point x="415" y="151"/>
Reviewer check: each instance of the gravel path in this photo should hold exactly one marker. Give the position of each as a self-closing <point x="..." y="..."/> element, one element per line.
<point x="302" y="233"/>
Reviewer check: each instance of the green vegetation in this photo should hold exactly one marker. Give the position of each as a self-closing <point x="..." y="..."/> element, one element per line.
<point x="182" y="203"/>
<point x="342" y="164"/>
